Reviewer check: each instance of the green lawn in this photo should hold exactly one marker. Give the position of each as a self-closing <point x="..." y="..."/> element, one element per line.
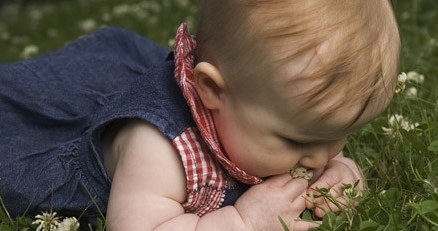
<point x="400" y="163"/>
<point x="49" y="25"/>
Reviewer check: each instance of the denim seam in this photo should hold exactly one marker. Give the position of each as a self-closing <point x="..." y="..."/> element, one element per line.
<point x="73" y="148"/>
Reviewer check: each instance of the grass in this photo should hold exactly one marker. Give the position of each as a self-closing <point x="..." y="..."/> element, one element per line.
<point x="401" y="169"/>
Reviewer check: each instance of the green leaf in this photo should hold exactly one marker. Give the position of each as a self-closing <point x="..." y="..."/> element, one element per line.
<point x="424" y="207"/>
<point x="433" y="146"/>
<point x="369" y="225"/>
<point x="392" y="195"/>
<point x="100" y="224"/>
<point x="24" y="223"/>
<point x="307" y="215"/>
<point x="283" y="224"/>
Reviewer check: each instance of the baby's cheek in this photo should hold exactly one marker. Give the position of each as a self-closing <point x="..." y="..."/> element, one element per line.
<point x="338" y="147"/>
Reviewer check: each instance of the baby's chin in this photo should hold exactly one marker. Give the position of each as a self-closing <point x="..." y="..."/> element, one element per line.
<point x="257" y="173"/>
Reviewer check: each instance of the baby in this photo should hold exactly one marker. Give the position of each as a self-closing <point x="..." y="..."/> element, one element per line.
<point x="204" y="138"/>
<point x="285" y="83"/>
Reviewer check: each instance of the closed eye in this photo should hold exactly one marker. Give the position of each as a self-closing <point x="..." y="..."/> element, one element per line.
<point x="294" y="142"/>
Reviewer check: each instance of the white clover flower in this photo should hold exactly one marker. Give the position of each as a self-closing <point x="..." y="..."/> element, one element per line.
<point x="411" y="92"/>
<point x="350" y="193"/>
<point x="413" y="76"/>
<point x="35" y="14"/>
<point x="388" y="131"/>
<point x="151" y="6"/>
<point x="68" y="224"/>
<point x="397" y="122"/>
<point x="183" y="3"/>
<point x="139" y="12"/>
<point x="87" y="25"/>
<point x="121" y="10"/>
<point x="171" y="42"/>
<point x="401" y="83"/>
<point x="29" y="50"/>
<point x="46" y="221"/>
<point x="402" y="77"/>
<point x="106" y="17"/>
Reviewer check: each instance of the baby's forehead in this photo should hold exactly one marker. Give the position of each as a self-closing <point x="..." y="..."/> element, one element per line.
<point x="321" y="108"/>
<point x="308" y="127"/>
<point x="331" y="92"/>
<point x="321" y="121"/>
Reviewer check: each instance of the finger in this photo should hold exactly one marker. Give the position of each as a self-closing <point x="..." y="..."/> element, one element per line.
<point x="310" y="201"/>
<point x="331" y="178"/>
<point x="331" y="198"/>
<point x="329" y="206"/>
<point x="301" y="225"/>
<point x="299" y="204"/>
<point x="334" y="192"/>
<point x="279" y="180"/>
<point x="296" y="187"/>
<point x="340" y="203"/>
<point x="323" y="184"/>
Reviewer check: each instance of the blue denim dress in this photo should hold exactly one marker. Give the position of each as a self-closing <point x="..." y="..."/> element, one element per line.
<point x="54" y="108"/>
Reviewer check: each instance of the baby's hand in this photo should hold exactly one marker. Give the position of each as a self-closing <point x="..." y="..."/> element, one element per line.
<point x="279" y="196"/>
<point x="336" y="175"/>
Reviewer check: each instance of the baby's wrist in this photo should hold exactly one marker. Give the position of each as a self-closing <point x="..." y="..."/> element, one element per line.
<point x="226" y="218"/>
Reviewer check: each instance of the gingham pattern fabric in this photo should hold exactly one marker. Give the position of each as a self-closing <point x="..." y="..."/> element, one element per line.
<point x="205" y="179"/>
<point x="202" y="169"/>
<point x="184" y="62"/>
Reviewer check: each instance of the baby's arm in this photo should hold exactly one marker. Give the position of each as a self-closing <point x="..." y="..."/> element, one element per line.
<point x="339" y="171"/>
<point x="149" y="187"/>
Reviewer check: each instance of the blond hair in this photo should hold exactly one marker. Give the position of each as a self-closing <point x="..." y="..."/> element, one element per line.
<point x="356" y="44"/>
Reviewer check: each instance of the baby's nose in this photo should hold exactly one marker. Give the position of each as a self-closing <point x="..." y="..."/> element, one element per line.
<point x="315" y="160"/>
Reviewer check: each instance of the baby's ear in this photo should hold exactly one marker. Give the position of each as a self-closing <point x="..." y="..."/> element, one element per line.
<point x="209" y="84"/>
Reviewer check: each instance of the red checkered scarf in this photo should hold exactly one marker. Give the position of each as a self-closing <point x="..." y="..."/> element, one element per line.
<point x="184" y="62"/>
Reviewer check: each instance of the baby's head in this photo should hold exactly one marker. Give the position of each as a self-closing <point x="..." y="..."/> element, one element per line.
<point x="294" y="74"/>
